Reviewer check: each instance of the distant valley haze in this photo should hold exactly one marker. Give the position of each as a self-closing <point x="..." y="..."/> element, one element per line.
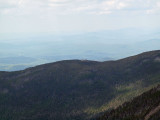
<point x="19" y="51"/>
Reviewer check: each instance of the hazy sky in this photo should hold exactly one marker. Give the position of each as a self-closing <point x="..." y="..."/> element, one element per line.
<point x="77" y="15"/>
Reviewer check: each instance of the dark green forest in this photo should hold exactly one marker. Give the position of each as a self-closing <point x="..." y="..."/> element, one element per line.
<point x="138" y="108"/>
<point x="76" y="89"/>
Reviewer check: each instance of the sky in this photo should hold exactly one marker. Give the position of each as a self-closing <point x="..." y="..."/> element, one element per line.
<point x="60" y="16"/>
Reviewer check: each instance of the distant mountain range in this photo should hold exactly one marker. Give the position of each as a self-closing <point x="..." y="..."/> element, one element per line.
<point x="115" y="51"/>
<point x="76" y="89"/>
<point x="97" y="46"/>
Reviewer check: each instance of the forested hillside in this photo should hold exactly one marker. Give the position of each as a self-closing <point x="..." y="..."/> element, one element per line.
<point x="76" y="89"/>
<point x="143" y="107"/>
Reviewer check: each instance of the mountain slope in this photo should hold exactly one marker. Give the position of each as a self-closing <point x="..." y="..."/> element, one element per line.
<point x="143" y="107"/>
<point x="75" y="89"/>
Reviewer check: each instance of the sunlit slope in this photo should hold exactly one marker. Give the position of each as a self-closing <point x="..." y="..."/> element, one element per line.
<point x="143" y="107"/>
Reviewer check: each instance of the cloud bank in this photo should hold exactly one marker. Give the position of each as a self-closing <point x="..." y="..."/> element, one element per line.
<point x="23" y="7"/>
<point x="77" y="15"/>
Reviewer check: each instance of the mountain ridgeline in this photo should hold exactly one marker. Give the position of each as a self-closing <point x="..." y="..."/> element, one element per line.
<point x="76" y="89"/>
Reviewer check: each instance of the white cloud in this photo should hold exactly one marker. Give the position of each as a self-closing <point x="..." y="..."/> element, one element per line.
<point x="59" y="15"/>
<point x="121" y="5"/>
<point x="104" y="12"/>
<point x="79" y="6"/>
<point x="154" y="9"/>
